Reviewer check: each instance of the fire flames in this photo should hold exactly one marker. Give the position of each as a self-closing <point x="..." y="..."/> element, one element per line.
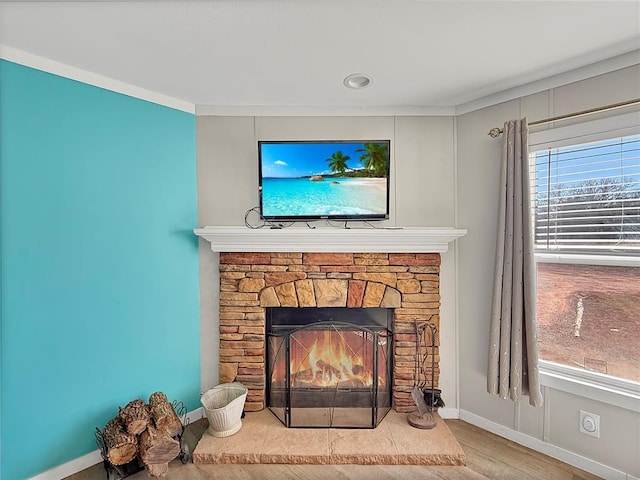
<point x="331" y="358"/>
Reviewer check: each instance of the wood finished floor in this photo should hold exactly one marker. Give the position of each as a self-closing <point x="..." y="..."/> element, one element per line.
<point x="488" y="457"/>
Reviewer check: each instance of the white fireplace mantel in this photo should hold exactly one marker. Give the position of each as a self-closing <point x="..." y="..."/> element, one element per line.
<point x="326" y="239"/>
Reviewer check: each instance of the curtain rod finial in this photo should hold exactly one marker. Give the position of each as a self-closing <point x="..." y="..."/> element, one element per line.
<point x="495" y="132"/>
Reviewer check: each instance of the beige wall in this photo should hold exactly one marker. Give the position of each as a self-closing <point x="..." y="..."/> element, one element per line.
<point x="478" y="158"/>
<point x="422" y="194"/>
<point x="444" y="173"/>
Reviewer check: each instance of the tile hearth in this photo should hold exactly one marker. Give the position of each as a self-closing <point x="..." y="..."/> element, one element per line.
<point x="263" y="439"/>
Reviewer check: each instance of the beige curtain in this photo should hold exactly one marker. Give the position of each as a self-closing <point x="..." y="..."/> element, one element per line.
<point x="513" y="349"/>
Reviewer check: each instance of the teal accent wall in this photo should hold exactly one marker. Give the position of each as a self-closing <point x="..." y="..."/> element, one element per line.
<point x="99" y="285"/>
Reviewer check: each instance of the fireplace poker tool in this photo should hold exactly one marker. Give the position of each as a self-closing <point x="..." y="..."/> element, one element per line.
<point x="425" y="418"/>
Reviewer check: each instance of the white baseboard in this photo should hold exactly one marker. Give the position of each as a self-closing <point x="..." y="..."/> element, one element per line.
<point x="92" y="458"/>
<point x="194" y="415"/>
<point x="558" y="453"/>
<point x="449" y="413"/>
<point x="71" y="467"/>
<point x="586" y="464"/>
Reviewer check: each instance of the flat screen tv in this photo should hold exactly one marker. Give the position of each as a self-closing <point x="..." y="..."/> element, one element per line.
<point x="335" y="180"/>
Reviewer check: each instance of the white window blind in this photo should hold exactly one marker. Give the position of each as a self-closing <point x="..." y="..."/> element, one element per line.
<point x="586" y="198"/>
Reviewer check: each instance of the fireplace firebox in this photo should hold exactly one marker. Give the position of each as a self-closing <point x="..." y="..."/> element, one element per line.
<point x="329" y="367"/>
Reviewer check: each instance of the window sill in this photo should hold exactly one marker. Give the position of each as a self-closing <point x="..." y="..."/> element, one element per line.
<point x="588" y="259"/>
<point x="596" y="386"/>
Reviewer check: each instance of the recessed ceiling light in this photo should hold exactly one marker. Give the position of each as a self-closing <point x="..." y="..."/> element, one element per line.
<point x="357" y="81"/>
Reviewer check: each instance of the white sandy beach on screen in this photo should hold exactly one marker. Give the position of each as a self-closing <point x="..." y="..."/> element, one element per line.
<point x="377" y="182"/>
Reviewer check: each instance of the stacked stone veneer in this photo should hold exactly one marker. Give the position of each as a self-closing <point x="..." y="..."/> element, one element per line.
<point x="250" y="282"/>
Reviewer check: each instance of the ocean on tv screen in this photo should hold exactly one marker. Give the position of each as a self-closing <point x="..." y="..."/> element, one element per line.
<point x="332" y="196"/>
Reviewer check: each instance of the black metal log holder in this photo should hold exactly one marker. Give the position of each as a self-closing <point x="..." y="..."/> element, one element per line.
<point x="134" y="466"/>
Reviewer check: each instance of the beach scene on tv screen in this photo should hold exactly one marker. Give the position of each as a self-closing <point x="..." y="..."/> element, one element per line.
<point x="324" y="179"/>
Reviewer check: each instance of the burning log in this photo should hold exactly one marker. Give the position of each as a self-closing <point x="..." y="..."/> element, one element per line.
<point x="327" y="371"/>
<point x="156" y="446"/>
<point x="303" y="377"/>
<point x="163" y="414"/>
<point x="121" y="447"/>
<point x="135" y="416"/>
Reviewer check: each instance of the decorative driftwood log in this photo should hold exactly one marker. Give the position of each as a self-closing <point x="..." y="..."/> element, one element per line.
<point x="156" y="446"/>
<point x="157" y="469"/>
<point x="163" y="414"/>
<point x="135" y="416"/>
<point x="121" y="446"/>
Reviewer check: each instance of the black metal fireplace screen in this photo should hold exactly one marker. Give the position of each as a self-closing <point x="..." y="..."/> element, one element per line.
<point x="329" y="367"/>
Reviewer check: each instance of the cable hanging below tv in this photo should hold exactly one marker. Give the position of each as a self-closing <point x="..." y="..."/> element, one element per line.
<point x="331" y="179"/>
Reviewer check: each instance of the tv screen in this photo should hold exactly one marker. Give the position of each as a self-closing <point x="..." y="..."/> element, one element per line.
<point x="310" y="180"/>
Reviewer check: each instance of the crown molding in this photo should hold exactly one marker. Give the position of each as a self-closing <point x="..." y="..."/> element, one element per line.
<point x="599" y="68"/>
<point x="323" y="111"/>
<point x="67" y="71"/>
<point x="57" y="68"/>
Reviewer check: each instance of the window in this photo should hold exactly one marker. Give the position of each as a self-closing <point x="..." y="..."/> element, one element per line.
<point x="586" y="209"/>
<point x="587" y="197"/>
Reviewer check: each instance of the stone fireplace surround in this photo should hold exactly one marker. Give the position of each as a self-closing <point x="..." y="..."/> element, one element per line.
<point x="391" y="267"/>
<point x="253" y="281"/>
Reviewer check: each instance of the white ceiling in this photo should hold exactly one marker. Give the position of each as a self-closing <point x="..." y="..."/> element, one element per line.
<point x="296" y="53"/>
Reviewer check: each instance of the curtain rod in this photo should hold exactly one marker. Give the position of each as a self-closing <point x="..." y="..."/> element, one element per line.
<point x="496" y="132"/>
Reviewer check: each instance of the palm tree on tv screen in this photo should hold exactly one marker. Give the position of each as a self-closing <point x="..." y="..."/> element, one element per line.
<point x="338" y="162"/>
<point x="374" y="156"/>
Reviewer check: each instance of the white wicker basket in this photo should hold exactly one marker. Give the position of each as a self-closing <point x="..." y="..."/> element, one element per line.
<point x="223" y="405"/>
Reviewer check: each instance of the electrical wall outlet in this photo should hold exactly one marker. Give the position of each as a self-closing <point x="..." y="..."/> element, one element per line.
<point x="590" y="424"/>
